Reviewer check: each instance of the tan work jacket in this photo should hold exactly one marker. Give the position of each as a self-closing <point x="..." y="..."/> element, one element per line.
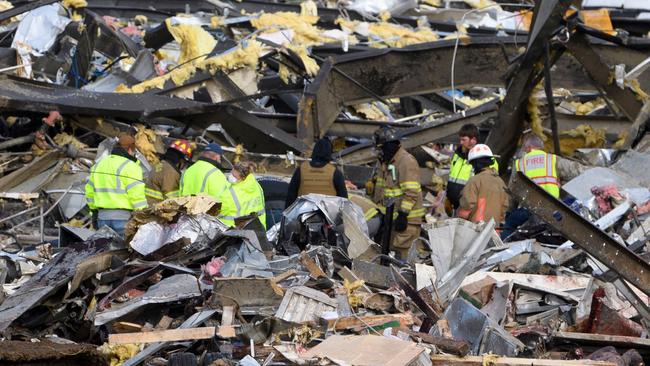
<point x="484" y="197"/>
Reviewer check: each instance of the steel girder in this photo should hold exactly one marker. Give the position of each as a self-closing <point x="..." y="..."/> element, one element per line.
<point x="419" y="135"/>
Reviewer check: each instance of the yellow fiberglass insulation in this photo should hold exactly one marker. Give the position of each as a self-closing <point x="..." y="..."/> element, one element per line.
<point x="534" y="113"/>
<point x="194" y="40"/>
<point x="75" y="3"/>
<point x="119" y="353"/>
<point x="482" y="4"/>
<point x="308" y="8"/>
<point x="67" y="139"/>
<point x="370" y="111"/>
<point x="583" y="136"/>
<point x="305" y="32"/>
<point x="311" y="67"/>
<point x="584" y="108"/>
<point x="473" y="103"/>
<point x="145" y="140"/>
<point x="393" y="35"/>
<point x="241" y="57"/>
<point x="436" y="3"/>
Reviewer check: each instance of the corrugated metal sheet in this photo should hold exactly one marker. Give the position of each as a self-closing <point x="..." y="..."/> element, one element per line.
<point x="303" y="304"/>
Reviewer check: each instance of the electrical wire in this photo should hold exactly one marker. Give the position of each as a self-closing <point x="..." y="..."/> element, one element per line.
<point x="453" y="58"/>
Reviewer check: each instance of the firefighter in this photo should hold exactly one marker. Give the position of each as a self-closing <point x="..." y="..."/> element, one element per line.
<point x="460" y="170"/>
<point x="115" y="186"/>
<point x="541" y="168"/>
<point x="318" y="175"/>
<point x="398" y="180"/>
<point x="164" y="180"/>
<point x="205" y="175"/>
<point x="484" y="196"/>
<point x="244" y="197"/>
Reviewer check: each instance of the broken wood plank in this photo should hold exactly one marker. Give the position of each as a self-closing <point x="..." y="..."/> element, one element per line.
<point x="314" y="270"/>
<point x="508" y="361"/>
<point x="447" y="345"/>
<point x="603" y="339"/>
<point x="172" y="335"/>
<point x="30" y="170"/>
<point x="405" y="321"/>
<point x="228" y="315"/>
<point x="126" y="327"/>
<point x="164" y="323"/>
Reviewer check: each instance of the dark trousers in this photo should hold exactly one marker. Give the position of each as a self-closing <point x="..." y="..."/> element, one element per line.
<point x="514" y="219"/>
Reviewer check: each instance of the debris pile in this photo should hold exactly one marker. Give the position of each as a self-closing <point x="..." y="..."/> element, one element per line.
<point x="280" y="183"/>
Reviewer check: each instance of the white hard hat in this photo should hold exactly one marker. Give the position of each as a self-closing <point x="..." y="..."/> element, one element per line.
<point x="479" y="151"/>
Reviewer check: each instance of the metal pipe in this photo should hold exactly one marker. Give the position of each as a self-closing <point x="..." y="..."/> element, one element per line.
<point x="16" y="141"/>
<point x="18" y="214"/>
<point x="48" y="210"/>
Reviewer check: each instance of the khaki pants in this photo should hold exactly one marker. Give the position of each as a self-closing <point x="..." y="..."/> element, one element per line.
<point x="402" y="242"/>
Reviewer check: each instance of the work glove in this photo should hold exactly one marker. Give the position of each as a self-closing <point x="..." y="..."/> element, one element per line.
<point x="401" y="221"/>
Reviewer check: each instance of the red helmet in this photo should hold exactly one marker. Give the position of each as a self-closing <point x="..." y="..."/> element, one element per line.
<point x="183" y="146"/>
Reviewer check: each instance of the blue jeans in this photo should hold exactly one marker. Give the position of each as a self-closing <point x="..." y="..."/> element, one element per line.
<point x="117" y="225"/>
<point x="514" y="219"/>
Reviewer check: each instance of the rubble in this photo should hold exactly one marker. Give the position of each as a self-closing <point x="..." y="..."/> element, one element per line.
<point x="265" y="80"/>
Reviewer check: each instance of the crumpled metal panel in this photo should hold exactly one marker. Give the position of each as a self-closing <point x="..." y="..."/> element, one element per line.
<point x="481" y="333"/>
<point x="332" y="207"/>
<point x="170" y="289"/>
<point x="456" y="245"/>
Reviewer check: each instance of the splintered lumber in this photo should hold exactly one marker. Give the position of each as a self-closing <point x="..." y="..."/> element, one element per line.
<point x="352" y="322"/>
<point x="603" y="339"/>
<point x="171" y="335"/>
<point x="447" y="345"/>
<point x="509" y="361"/>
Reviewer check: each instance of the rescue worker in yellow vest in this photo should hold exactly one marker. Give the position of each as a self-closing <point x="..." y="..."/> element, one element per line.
<point x="371" y="212"/>
<point x="484" y="196"/>
<point x="398" y="180"/>
<point x="115" y="186"/>
<point x="205" y="176"/>
<point x="541" y="168"/>
<point x="318" y="175"/>
<point x="164" y="180"/>
<point x="461" y="170"/>
<point x="244" y="197"/>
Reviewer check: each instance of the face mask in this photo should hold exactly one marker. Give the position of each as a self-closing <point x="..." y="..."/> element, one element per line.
<point x="231" y="178"/>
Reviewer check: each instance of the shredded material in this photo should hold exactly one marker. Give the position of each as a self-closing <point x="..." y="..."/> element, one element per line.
<point x="473" y="103"/>
<point x="145" y="140"/>
<point x="305" y="32"/>
<point x="370" y="111"/>
<point x="67" y="139"/>
<point x="311" y="67"/>
<point x="584" y="108"/>
<point x="75" y="3"/>
<point x="436" y="3"/>
<point x="583" y="136"/>
<point x="620" y="141"/>
<point x="118" y="354"/>
<point x="350" y="287"/>
<point x="482" y="4"/>
<point x="308" y="8"/>
<point x="195" y="42"/>
<point x="534" y="113"/>
<point x="389" y="34"/>
<point x="244" y="56"/>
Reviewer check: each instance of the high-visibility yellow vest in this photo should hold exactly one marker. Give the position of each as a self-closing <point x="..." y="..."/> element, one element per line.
<point x="203" y="178"/>
<point x="115" y="182"/>
<point x="242" y="199"/>
<point x="540" y="167"/>
<point x="461" y="170"/>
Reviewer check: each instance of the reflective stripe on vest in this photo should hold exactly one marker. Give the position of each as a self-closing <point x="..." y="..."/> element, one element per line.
<point x="539" y="166"/>
<point x="461" y="170"/>
<point x="115" y="182"/>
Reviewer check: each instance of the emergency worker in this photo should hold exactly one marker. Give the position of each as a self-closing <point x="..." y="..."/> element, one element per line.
<point x="244" y="197"/>
<point x="115" y="186"/>
<point x="541" y="168"/>
<point x="397" y="181"/>
<point x="460" y="169"/>
<point x="164" y="180"/>
<point x="205" y="175"/>
<point x="318" y="175"/>
<point x="484" y="196"/>
<point x="371" y="213"/>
